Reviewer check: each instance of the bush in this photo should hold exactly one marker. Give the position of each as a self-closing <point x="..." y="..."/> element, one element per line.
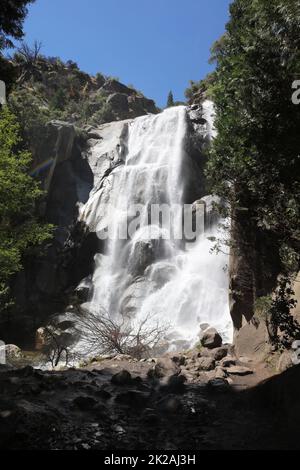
<point x="20" y="230"/>
<point x="102" y="334"/>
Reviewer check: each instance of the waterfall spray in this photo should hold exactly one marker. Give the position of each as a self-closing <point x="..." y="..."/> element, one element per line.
<point x="151" y="274"/>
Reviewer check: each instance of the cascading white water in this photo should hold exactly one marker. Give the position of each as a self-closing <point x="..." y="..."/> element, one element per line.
<point x="152" y="275"/>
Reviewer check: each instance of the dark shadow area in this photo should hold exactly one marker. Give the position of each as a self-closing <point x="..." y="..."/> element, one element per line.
<point x="106" y="407"/>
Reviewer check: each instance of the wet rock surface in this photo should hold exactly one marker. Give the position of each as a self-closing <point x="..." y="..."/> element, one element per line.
<point x="123" y="403"/>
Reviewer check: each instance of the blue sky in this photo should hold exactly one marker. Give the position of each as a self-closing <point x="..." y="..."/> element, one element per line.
<point x="156" y="45"/>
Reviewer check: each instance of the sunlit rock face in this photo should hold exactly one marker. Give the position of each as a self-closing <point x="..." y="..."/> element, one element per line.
<point x="151" y="160"/>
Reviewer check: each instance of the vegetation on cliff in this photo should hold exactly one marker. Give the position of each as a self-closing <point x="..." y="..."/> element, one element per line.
<point x="47" y="88"/>
<point x="20" y="230"/>
<point x="12" y="15"/>
<point x="254" y="163"/>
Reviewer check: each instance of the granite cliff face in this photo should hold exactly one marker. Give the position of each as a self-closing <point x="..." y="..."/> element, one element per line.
<point x="73" y="164"/>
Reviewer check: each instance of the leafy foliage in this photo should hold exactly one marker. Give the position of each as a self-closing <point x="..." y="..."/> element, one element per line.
<point x="284" y="327"/>
<point x="12" y="15"/>
<point x="255" y="160"/>
<point x="20" y="231"/>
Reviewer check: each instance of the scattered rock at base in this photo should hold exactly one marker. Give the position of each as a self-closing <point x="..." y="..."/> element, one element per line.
<point x="239" y="370"/>
<point x="169" y="404"/>
<point x="134" y="398"/>
<point x="179" y="360"/>
<point x="85" y="403"/>
<point x="165" y="367"/>
<point x="219" y="353"/>
<point x="205" y="363"/>
<point x="175" y="384"/>
<point x="103" y="394"/>
<point x="211" y="339"/>
<point x="121" y="378"/>
<point x="218" y="384"/>
<point x="150" y="417"/>
<point x="228" y="361"/>
<point x="27" y="371"/>
<point x="220" y="373"/>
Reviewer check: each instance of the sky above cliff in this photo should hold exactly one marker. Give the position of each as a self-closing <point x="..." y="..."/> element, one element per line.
<point x="155" y="45"/>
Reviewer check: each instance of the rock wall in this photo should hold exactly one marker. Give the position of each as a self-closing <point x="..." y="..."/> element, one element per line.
<point x="73" y="164"/>
<point x="40" y="289"/>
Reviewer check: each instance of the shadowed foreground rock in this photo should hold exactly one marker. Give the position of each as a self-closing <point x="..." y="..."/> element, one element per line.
<point x="110" y="407"/>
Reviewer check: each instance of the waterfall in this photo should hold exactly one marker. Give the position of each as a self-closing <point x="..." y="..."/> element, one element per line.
<point x="152" y="274"/>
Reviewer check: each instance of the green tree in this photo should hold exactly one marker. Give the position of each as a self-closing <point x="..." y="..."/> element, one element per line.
<point x="255" y="161"/>
<point x="12" y="15"/>
<point x="20" y="230"/>
<point x="170" y="100"/>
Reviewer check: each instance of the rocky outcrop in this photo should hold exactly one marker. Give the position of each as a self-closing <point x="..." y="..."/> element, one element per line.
<point x="40" y="290"/>
<point x="251" y="340"/>
<point x="127" y="102"/>
<point x="113" y="404"/>
<point x="76" y="165"/>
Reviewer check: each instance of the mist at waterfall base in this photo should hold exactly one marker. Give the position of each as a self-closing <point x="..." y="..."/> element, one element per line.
<point x="152" y="275"/>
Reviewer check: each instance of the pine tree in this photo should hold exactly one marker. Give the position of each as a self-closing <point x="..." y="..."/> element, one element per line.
<point x="254" y="163"/>
<point x="12" y="15"/>
<point x="170" y="101"/>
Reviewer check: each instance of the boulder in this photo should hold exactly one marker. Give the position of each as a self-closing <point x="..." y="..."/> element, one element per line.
<point x="211" y="339"/>
<point x="228" y="362"/>
<point x="180" y="360"/>
<point x="219" y="353"/>
<point x="175" y="384"/>
<point x="165" y="367"/>
<point x="239" y="370"/>
<point x="252" y="340"/>
<point x="205" y="363"/>
<point x="121" y="378"/>
<point x="220" y="373"/>
<point x="218" y="385"/>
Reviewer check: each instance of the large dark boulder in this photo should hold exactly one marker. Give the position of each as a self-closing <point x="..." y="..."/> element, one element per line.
<point x="211" y="339"/>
